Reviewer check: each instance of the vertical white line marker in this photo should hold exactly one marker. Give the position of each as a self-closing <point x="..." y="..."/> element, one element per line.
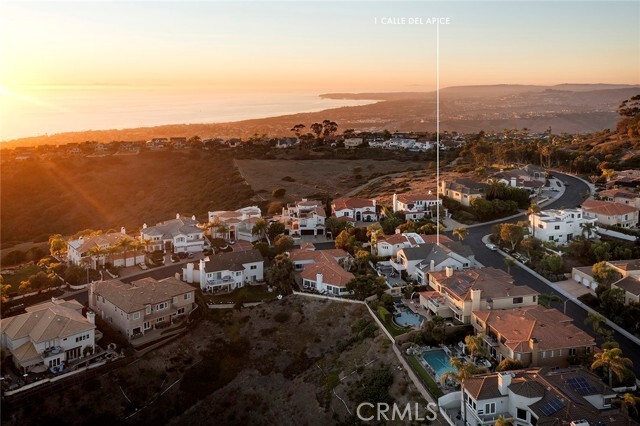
<point x="438" y="133"/>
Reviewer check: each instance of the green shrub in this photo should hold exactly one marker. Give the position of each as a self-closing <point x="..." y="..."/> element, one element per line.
<point x="279" y="192"/>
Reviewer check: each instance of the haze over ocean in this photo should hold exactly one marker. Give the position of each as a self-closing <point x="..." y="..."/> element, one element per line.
<point x="62" y="109"/>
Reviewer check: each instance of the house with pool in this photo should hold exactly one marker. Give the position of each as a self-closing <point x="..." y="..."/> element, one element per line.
<point x="534" y="397"/>
<point x="534" y="335"/>
<point x="458" y="293"/>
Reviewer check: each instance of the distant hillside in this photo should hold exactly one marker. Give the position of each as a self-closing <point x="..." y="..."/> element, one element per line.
<point x="40" y="198"/>
<point x="566" y="108"/>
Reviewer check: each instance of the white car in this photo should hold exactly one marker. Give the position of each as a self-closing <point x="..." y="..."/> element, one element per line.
<point x="492" y="247"/>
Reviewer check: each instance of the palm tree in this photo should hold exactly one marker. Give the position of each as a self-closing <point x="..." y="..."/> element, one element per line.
<point x="96" y="252"/>
<point x="260" y="229"/>
<point x="475" y="345"/>
<point x="509" y="262"/>
<point x="461" y="233"/>
<point x="595" y="320"/>
<point x="627" y="401"/>
<point x="124" y="244"/>
<point x="588" y="228"/>
<point x="111" y="250"/>
<point x="612" y="361"/>
<point x="496" y="189"/>
<point x="501" y="421"/>
<point x="464" y="370"/>
<point x="547" y="299"/>
<point x="533" y="210"/>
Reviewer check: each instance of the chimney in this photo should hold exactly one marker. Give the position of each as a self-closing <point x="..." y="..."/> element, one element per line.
<point x="504" y="380"/>
<point x="123" y="231"/>
<point x="91" y="316"/>
<point x="177" y="215"/>
<point x="144" y="226"/>
<point x="318" y="281"/>
<point x="397" y="231"/>
<point x="513" y="181"/>
<point x="432" y="265"/>
<point x="476" y="295"/>
<point x="395" y="202"/>
<point x="535" y="351"/>
<point x="193" y="217"/>
<point x="448" y="270"/>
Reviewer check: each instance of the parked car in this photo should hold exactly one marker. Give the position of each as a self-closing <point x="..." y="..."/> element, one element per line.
<point x="492" y="247"/>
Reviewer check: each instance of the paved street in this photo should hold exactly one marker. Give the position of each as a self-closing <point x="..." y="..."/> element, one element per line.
<point x="572" y="197"/>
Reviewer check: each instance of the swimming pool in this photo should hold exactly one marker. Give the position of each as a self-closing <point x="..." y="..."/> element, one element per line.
<point x="439" y="361"/>
<point x="406" y="318"/>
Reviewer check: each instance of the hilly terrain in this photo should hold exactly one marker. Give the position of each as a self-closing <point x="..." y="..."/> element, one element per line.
<point x="565" y="108"/>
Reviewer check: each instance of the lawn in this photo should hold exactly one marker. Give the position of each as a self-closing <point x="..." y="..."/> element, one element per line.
<point x="431" y="385"/>
<point x="21" y="274"/>
<point x="247" y="294"/>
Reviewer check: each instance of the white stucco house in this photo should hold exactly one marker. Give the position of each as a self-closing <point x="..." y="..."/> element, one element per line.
<point x="179" y="235"/>
<point x="416" y="206"/>
<point x="82" y="251"/>
<point x="225" y="272"/>
<point x="358" y="209"/>
<point x="418" y="261"/>
<point x="304" y="217"/>
<point x="559" y="226"/>
<point x="238" y="223"/>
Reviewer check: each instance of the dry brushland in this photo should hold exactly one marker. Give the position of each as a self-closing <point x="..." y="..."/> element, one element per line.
<point x="297" y="361"/>
<point x="316" y="178"/>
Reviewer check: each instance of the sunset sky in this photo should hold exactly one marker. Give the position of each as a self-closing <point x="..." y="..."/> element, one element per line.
<point x="315" y="47"/>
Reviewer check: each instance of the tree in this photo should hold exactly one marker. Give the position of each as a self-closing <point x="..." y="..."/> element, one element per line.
<point x="464" y="370"/>
<point x="347" y="241"/>
<point x="601" y="250"/>
<point x="281" y="274"/>
<point x="501" y="421"/>
<point x="496" y="190"/>
<point x="595" y="320"/>
<point x="547" y="299"/>
<point x="475" y="345"/>
<point x="363" y="286"/>
<point x="552" y="263"/>
<point x="509" y="364"/>
<point x="283" y="243"/>
<point x="533" y="210"/>
<point x="461" y="233"/>
<point x="274" y="230"/>
<point x="297" y="129"/>
<point x="588" y="228"/>
<point x="630" y="107"/>
<point x="125" y="244"/>
<point x="57" y="245"/>
<point x="628" y="401"/>
<point x="512" y="234"/>
<point x="509" y="262"/>
<point x="316" y="128"/>
<point x="604" y="274"/>
<point x="613" y="363"/>
<point x="4" y="289"/>
<point x="374" y="233"/>
<point x="278" y="192"/>
<point x="362" y="259"/>
<point x="260" y="229"/>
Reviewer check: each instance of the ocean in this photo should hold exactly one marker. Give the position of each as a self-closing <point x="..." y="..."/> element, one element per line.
<point x="41" y="111"/>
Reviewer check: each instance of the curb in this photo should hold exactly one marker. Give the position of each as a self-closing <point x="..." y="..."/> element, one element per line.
<point x="570" y="297"/>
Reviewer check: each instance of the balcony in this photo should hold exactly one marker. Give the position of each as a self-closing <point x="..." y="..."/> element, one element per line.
<point x="491" y="341"/>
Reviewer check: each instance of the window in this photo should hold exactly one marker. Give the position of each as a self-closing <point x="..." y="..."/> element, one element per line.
<point x="517" y="300"/>
<point x="147" y="325"/>
<point x="572" y="351"/>
<point x="521" y="414"/>
<point x="490" y="408"/>
<point x="556" y="227"/>
<point x="187" y="296"/>
<point x="254" y="266"/>
<point x="551" y="353"/>
<point x="161" y="306"/>
<point x="148" y="310"/>
<point x="136" y="315"/>
<point x="543" y="354"/>
<point x="159" y="320"/>
<point x="180" y="311"/>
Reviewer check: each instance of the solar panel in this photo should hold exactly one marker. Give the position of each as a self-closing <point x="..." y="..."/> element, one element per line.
<point x="581" y="386"/>
<point x="552" y="407"/>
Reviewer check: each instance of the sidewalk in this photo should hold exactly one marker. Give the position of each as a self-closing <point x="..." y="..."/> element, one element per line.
<point x="567" y="295"/>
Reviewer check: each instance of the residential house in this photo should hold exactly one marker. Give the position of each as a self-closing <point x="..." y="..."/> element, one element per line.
<point x="621" y="196"/>
<point x="534" y="397"/>
<point x="389" y="245"/>
<point x="359" y="209"/>
<point x="463" y="190"/>
<point x="519" y="178"/>
<point x="534" y="335"/>
<point x="225" y="272"/>
<point x="303" y="217"/>
<point x="179" y="143"/>
<point x="49" y="335"/>
<point x="320" y="270"/>
<point x="283" y="143"/>
<point x="179" y="235"/>
<point x="73" y="149"/>
<point x="417" y="261"/>
<point x="352" y="143"/>
<point x="157" y="144"/>
<point x="611" y="213"/>
<point x="98" y="250"/>
<point x="559" y="226"/>
<point x="416" y="206"/>
<point x="239" y="223"/>
<point x="142" y="306"/>
<point x="535" y="172"/>
<point x="626" y="178"/>
<point x="628" y="277"/>
<point x="459" y="293"/>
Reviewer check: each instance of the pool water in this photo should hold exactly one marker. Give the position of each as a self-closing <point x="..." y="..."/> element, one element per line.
<point x="439" y="361"/>
<point x="408" y="318"/>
